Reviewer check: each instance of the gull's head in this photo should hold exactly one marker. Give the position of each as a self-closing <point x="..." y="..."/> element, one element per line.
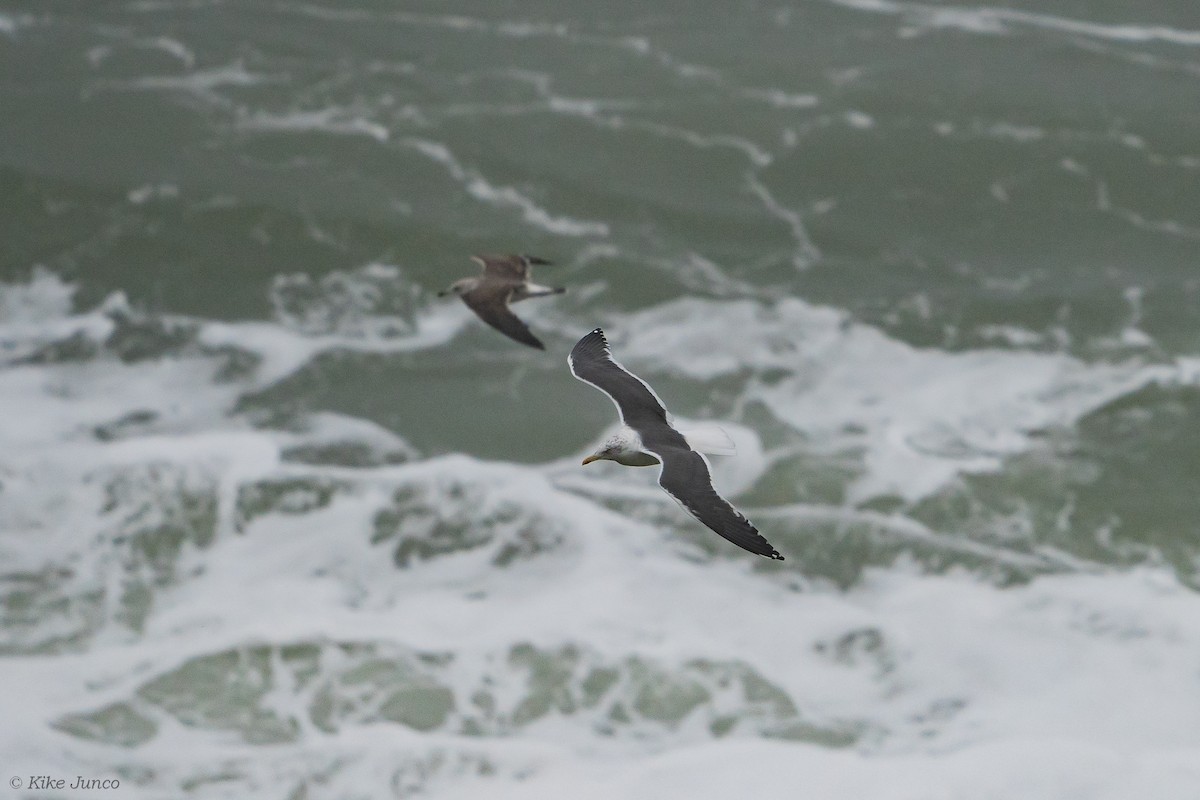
<point x="600" y="455"/>
<point x="623" y="447"/>
<point x="611" y="450"/>
<point x="459" y="287"/>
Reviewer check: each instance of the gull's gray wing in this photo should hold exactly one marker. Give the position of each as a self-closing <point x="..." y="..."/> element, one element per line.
<point x="640" y="408"/>
<point x="489" y="301"/>
<point x="685" y="474"/>
<point x="685" y="477"/>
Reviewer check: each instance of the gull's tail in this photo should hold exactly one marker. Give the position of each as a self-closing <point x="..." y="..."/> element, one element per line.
<point x="709" y="439"/>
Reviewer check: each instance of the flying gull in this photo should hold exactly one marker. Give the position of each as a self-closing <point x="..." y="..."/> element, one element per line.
<point x="505" y="280"/>
<point x="647" y="437"/>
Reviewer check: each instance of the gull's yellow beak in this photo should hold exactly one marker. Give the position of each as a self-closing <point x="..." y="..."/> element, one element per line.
<point x="590" y="459"/>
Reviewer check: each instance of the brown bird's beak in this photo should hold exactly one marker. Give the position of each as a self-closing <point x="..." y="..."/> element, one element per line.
<point x="590" y="459"/>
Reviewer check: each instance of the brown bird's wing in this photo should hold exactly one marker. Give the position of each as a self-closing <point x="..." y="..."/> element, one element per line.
<point x="509" y="266"/>
<point x="490" y="303"/>
<point x="506" y="267"/>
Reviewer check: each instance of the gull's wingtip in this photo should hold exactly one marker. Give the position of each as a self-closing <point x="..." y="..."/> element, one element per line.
<point x="590" y="334"/>
<point x="586" y="349"/>
<point x="593" y="341"/>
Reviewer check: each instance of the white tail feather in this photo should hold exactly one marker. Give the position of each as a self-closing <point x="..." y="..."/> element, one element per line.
<point x="709" y="439"/>
<point x="537" y="290"/>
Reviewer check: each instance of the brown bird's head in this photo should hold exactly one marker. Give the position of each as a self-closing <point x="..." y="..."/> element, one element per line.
<point x="459" y="287"/>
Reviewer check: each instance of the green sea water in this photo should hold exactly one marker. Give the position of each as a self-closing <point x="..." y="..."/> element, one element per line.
<point x="937" y="264"/>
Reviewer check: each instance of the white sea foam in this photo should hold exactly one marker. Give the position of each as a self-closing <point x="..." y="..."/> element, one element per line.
<point x="284" y="351"/>
<point x="147" y="192"/>
<point x="334" y="120"/>
<point x="942" y="684"/>
<point x="11" y="23"/>
<point x="758" y="156"/>
<point x="599" y="112"/>
<point x="369" y="309"/>
<point x="781" y="99"/>
<point x="806" y="251"/>
<point x="326" y="428"/>
<point x="36" y="314"/>
<point x="45" y="296"/>
<point x="920" y="417"/>
<point x="518" y="29"/>
<point x="1133" y="217"/>
<point x="481" y="189"/>
<point x="683" y="69"/>
<point x="703" y="275"/>
<point x="173" y="47"/>
<point x="995" y="20"/>
<point x="201" y="81"/>
<point x="370" y="302"/>
<point x="1038" y="769"/>
<point x="945" y="674"/>
<point x="860" y="120"/>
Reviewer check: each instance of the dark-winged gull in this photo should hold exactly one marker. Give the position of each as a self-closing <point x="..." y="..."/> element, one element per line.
<point x="505" y="280"/>
<point x="647" y="437"/>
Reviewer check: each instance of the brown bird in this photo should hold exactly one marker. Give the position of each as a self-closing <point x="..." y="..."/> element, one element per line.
<point x="505" y="280"/>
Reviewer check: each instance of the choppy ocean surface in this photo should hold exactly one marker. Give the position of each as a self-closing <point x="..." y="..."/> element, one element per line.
<point x="277" y="522"/>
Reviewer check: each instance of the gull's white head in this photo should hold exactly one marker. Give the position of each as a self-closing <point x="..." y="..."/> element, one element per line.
<point x="607" y="452"/>
<point x="623" y="447"/>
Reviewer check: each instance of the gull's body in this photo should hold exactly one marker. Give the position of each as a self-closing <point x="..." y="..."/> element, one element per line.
<point x="647" y="437"/>
<point x="505" y="280"/>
